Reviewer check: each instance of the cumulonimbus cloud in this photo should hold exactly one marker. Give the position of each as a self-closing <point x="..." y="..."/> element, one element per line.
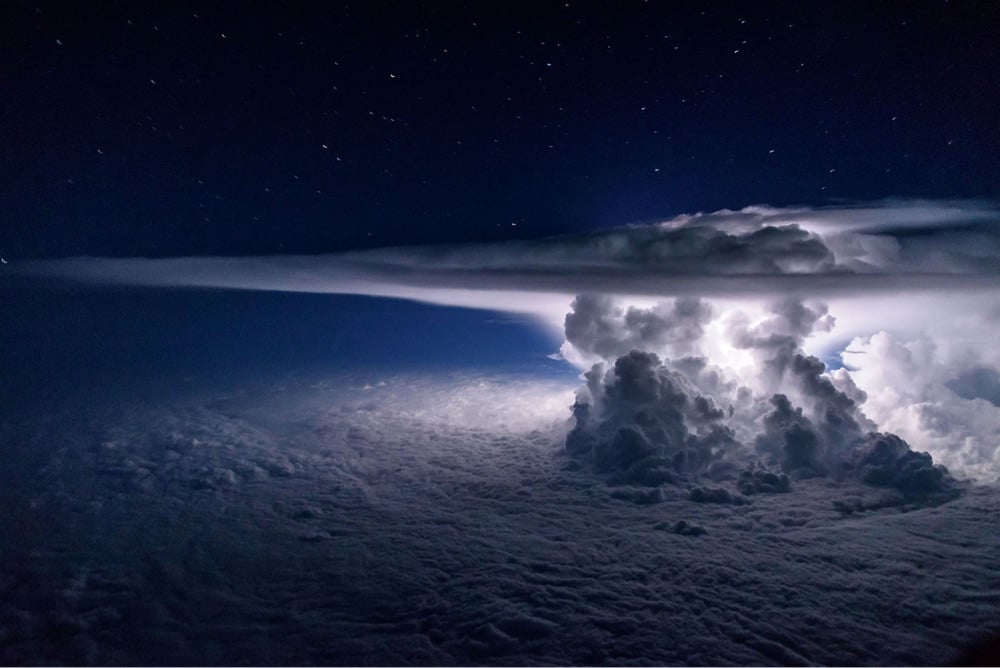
<point x="682" y="420"/>
<point x="712" y="291"/>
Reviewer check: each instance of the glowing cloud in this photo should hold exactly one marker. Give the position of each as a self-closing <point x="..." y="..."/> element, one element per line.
<point x="744" y="306"/>
<point x="755" y="251"/>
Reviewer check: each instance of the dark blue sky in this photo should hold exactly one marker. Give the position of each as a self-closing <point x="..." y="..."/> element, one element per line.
<point x="176" y="128"/>
<point x="64" y="338"/>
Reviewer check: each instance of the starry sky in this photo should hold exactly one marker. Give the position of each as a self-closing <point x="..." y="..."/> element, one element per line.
<point x="163" y="129"/>
<point x="445" y="333"/>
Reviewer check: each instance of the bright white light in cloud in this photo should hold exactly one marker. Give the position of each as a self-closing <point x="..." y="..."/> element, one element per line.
<point x="908" y="292"/>
<point x="912" y="390"/>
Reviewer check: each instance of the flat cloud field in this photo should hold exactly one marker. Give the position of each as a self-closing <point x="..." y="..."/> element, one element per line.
<point x="421" y="521"/>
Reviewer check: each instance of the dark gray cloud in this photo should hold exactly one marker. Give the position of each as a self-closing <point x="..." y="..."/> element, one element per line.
<point x="810" y="447"/>
<point x="789" y="439"/>
<point x="644" y="422"/>
<point x="885" y="460"/>
<point x="757" y="479"/>
<point x="693" y="250"/>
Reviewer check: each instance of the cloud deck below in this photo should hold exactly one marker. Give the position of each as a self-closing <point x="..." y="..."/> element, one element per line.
<point x="340" y="522"/>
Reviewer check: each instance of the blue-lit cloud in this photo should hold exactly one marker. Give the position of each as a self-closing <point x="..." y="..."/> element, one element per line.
<point x="905" y="292"/>
<point x="757" y="250"/>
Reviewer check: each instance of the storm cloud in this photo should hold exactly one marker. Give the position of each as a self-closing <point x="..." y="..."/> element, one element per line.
<point x="598" y="328"/>
<point x="738" y="306"/>
<point x="644" y="420"/>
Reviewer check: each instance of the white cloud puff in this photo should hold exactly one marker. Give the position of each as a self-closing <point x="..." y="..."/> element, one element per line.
<point x="913" y="391"/>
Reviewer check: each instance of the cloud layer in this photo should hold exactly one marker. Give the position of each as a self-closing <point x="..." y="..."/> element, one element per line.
<point x="379" y="521"/>
<point x="758" y="250"/>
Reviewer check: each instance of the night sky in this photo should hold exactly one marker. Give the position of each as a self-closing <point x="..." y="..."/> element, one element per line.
<point x="492" y="334"/>
<point x="161" y="129"/>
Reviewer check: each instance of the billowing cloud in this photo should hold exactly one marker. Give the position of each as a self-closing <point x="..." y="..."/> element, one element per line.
<point x="642" y="421"/>
<point x="598" y="328"/>
<point x="933" y="393"/>
<point x="646" y="420"/>
<point x="739" y="307"/>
